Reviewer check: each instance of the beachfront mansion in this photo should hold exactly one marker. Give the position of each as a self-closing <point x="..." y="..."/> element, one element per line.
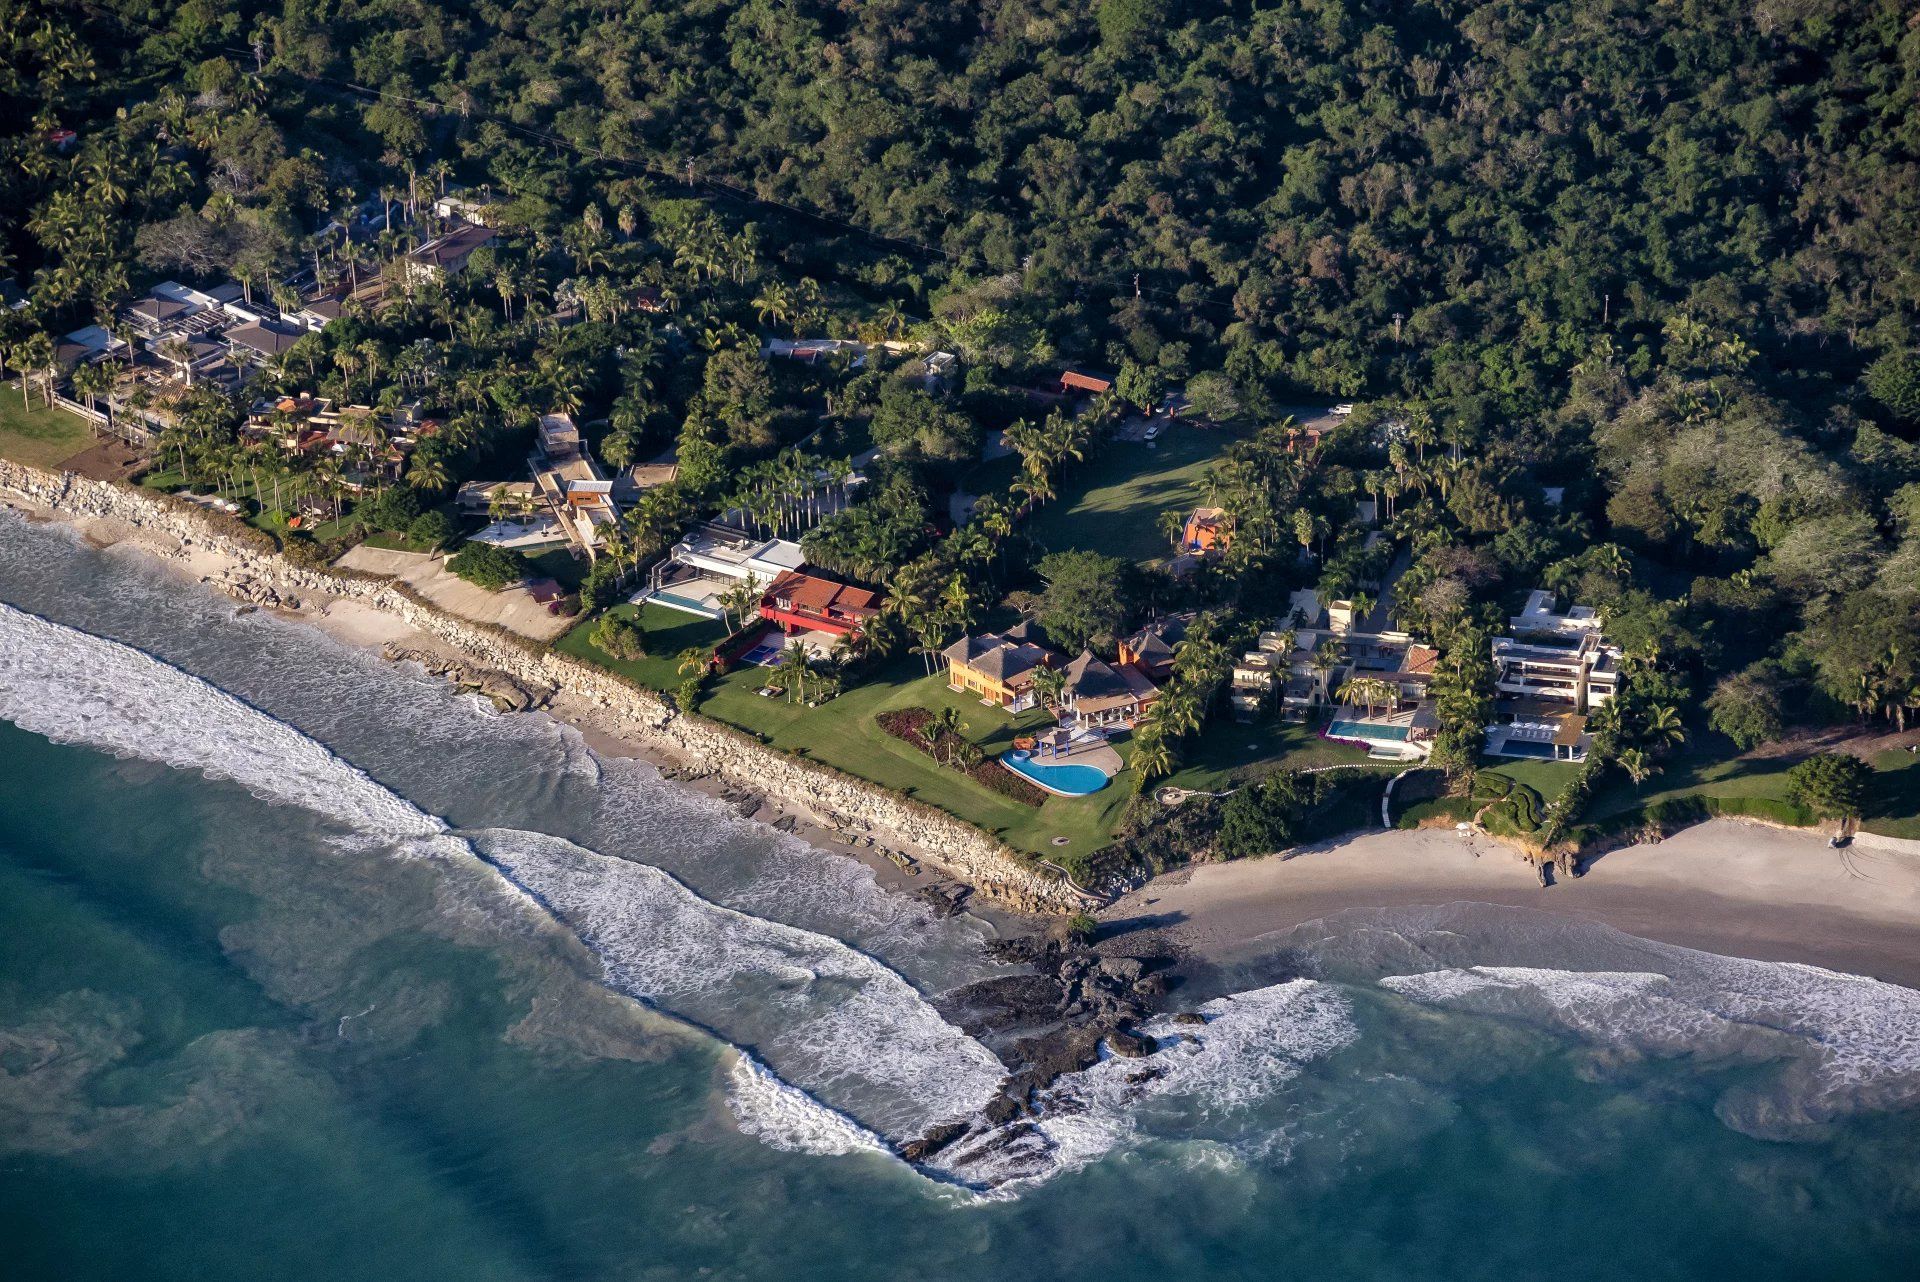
<point x="1550" y="675"/>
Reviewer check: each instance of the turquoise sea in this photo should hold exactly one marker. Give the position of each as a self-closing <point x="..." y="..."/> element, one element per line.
<point x="312" y="969"/>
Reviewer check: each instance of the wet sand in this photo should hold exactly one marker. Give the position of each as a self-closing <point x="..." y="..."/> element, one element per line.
<point x="1728" y="887"/>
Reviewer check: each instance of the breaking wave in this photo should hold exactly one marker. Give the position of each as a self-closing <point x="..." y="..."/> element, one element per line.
<point x="73" y="687"/>
<point x="1840" y="1043"/>
<point x="854" y="1032"/>
<point x="1207" y="1079"/>
<point x="840" y="1021"/>
<point x="784" y="1117"/>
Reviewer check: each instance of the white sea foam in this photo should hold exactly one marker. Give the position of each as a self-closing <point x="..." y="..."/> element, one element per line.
<point x="784" y="1117"/>
<point x="74" y="687"/>
<point x="1209" y="1078"/>
<point x="1842" y="1042"/>
<point x="820" y="1013"/>
<point x="835" y="1018"/>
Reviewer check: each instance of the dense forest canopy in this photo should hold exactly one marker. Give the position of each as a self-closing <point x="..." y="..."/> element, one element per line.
<point x="1294" y="183"/>
<point x="1658" y="258"/>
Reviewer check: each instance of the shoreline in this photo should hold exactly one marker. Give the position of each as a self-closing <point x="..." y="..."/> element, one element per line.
<point x="1724" y="886"/>
<point x="822" y="808"/>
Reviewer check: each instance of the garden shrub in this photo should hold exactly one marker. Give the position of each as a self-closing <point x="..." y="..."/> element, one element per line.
<point x="489" y="567"/>
<point x="619" y="638"/>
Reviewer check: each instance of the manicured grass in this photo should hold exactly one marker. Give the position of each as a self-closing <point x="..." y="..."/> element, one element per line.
<point x="1545" y="777"/>
<point x="668" y="633"/>
<point x="1893" y="804"/>
<point x="1711" y="767"/>
<point x="1229" y="753"/>
<point x="560" y="565"/>
<point x="38" y="436"/>
<point x="844" y="734"/>
<point x="166" y="480"/>
<point x="1112" y="502"/>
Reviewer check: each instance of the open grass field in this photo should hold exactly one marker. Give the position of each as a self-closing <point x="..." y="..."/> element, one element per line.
<point x="38" y="436"/>
<point x="1711" y="767"/>
<point x="843" y="733"/>
<point x="1545" y="777"/>
<point x="1112" y="502"/>
<point x="668" y="632"/>
<point x="1229" y="753"/>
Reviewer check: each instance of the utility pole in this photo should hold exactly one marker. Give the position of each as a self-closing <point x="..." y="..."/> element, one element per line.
<point x="1397" y="318"/>
<point x="1136" y="284"/>
<point x="1606" y="308"/>
<point x="689" y="175"/>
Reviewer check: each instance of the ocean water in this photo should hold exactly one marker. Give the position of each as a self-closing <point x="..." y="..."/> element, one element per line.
<point x="311" y="968"/>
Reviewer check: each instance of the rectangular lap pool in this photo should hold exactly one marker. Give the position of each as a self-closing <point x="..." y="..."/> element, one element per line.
<point x="1362" y="730"/>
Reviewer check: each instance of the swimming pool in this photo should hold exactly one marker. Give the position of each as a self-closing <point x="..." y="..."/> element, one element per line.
<point x="1066" y="780"/>
<point x="1363" y="730"/>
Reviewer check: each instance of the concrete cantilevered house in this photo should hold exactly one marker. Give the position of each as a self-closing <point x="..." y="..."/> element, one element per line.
<point x="1549" y="675"/>
<point x="567" y="481"/>
<point x="710" y="562"/>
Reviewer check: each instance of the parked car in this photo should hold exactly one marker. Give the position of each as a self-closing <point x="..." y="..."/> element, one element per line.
<point x="1153" y="432"/>
<point x="1343" y="409"/>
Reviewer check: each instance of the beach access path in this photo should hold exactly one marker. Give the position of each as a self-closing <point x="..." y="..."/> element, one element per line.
<point x="1724" y="886"/>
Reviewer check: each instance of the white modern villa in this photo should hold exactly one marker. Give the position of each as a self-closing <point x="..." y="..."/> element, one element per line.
<point x="1549" y="676"/>
<point x="566" y="480"/>
<point x="712" y="560"/>
<point x="1306" y="667"/>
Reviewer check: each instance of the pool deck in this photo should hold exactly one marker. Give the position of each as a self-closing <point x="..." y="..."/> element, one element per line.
<point x="1095" y="753"/>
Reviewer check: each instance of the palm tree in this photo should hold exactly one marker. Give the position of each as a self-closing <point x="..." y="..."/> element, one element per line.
<point x="1325" y="658"/>
<point x="427" y="472"/>
<point x="1637" y="765"/>
<point x="1663" y="728"/>
<point x="795" y="664"/>
<point x="694" y="661"/>
<point x="1368" y="691"/>
<point x="943" y="722"/>
<point x="1050" y="684"/>
<point x="1152" y="755"/>
<point x="742" y="599"/>
<point x="849" y="648"/>
<point x="91" y="382"/>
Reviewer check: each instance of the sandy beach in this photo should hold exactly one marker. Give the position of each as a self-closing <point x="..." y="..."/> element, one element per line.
<point x="368" y="627"/>
<point x="1728" y="887"/>
<point x="1725" y="886"/>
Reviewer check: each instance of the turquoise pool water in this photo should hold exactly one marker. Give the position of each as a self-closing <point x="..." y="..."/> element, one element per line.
<point x="1068" y="780"/>
<point x="1361" y="730"/>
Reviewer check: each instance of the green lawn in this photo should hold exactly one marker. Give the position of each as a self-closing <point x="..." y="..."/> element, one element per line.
<point x="1545" y="777"/>
<point x="668" y="633"/>
<point x="38" y="436"/>
<point x="1112" y="502"/>
<point x="1228" y="753"/>
<point x="1711" y="767"/>
<point x="560" y="565"/>
<point x="844" y="734"/>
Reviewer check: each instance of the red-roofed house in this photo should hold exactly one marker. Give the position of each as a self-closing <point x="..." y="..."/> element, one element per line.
<point x="1074" y="380"/>
<point x="808" y="603"/>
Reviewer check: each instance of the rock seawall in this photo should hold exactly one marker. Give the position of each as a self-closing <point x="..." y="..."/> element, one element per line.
<point x="256" y="573"/>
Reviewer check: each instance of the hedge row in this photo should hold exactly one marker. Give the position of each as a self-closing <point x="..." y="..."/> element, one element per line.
<point x="1670" y="814"/>
<point x="906" y="725"/>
